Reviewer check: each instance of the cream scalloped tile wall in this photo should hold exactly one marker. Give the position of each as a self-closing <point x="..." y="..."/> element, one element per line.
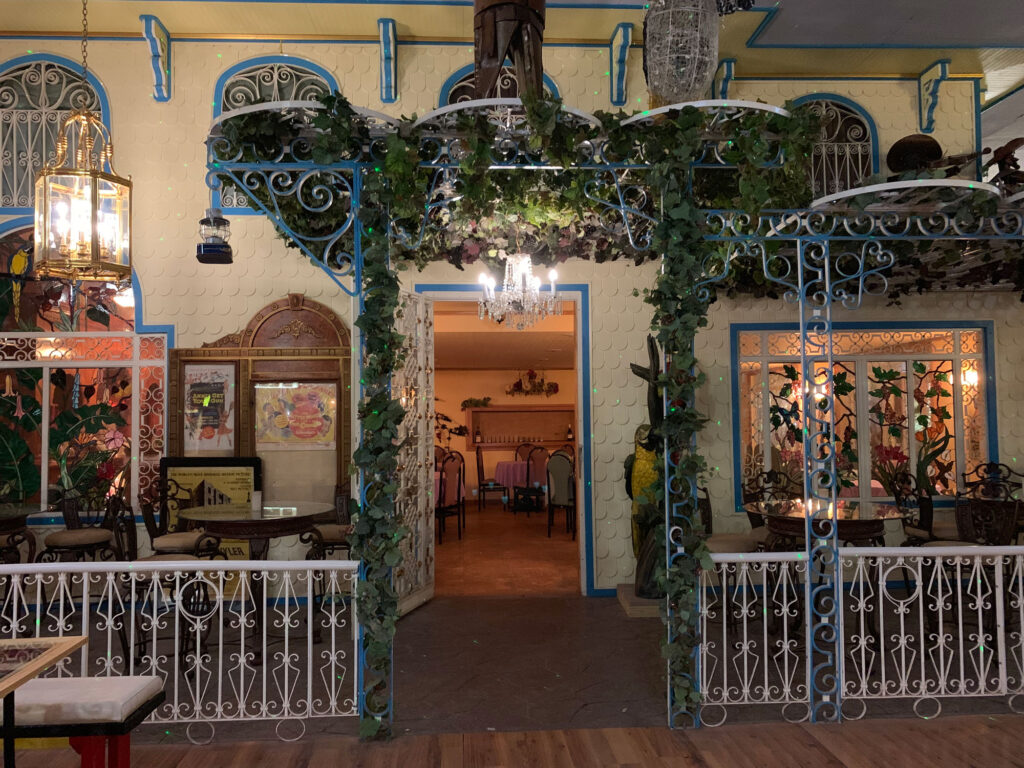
<point x="619" y="322"/>
<point x="712" y="348"/>
<point x="161" y="146"/>
<point x="892" y="105"/>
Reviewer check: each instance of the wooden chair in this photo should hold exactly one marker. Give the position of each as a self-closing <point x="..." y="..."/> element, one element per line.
<point x="486" y="485"/>
<point x="450" y="500"/>
<point x="523" y="451"/>
<point x="439" y="453"/>
<point x="570" y="450"/>
<point x="530" y="497"/>
<point x="79" y="541"/>
<point x="561" y="483"/>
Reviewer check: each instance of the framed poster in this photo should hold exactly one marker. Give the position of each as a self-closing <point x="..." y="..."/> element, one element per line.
<point x="209" y="407"/>
<point x="296" y="416"/>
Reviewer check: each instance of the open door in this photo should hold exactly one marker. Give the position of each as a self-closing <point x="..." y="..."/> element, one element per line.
<point x="414" y="385"/>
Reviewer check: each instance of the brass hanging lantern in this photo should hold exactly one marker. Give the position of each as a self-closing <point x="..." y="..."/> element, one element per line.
<point x="83" y="209"/>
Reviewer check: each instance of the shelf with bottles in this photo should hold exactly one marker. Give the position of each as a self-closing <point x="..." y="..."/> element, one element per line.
<point x="506" y="426"/>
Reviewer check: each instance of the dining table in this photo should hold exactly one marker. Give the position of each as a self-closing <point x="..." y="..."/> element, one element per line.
<point x="274" y="519"/>
<point x="858" y="523"/>
<point x="510" y="474"/>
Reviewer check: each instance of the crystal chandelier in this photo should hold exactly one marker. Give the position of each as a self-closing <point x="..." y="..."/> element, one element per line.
<point x="83" y="208"/>
<point x="520" y="302"/>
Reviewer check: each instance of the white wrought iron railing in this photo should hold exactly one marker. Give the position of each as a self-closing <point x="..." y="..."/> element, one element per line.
<point x="919" y="625"/>
<point x="233" y="640"/>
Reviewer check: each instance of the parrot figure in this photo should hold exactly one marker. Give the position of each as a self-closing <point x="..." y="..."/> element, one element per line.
<point x="20" y="263"/>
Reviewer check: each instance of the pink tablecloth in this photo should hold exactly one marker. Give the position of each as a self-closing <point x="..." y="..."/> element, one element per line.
<point x="510" y="474"/>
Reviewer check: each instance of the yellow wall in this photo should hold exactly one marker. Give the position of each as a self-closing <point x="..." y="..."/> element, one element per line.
<point x="161" y="146"/>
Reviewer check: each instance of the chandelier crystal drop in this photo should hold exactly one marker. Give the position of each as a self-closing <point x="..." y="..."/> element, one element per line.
<point x="521" y="302"/>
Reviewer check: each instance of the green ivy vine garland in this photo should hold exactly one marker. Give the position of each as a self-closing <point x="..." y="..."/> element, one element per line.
<point x="549" y="211"/>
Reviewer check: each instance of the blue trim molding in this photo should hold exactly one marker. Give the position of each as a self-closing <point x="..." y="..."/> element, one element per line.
<point x="159" y="40"/>
<point x="987" y="328"/>
<point x="928" y="85"/>
<point x="460" y="73"/>
<point x="724" y="76"/>
<point x="140" y="324"/>
<point x="74" y="66"/>
<point x="846" y="101"/>
<point x="618" y="52"/>
<point x="388" y="60"/>
<point x="586" y="462"/>
<point x="218" y="107"/>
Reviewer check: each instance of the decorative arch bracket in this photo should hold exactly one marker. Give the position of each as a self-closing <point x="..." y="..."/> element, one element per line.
<point x="928" y="85"/>
<point x="159" y="40"/>
<point x="618" y="53"/>
<point x="388" y="60"/>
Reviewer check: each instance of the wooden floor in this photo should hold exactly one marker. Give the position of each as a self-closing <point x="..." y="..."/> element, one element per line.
<point x="501" y="554"/>
<point x="964" y="742"/>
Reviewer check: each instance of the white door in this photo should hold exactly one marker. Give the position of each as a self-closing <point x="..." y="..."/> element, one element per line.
<point x="414" y="384"/>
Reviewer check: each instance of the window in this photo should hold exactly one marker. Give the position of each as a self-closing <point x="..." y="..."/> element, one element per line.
<point x="905" y="401"/>
<point x="260" y="80"/>
<point x="844" y="154"/>
<point x="462" y="86"/>
<point x="36" y="95"/>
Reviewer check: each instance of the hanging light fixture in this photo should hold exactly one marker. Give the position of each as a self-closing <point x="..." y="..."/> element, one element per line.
<point x="83" y="209"/>
<point x="521" y="303"/>
<point x="680" y="49"/>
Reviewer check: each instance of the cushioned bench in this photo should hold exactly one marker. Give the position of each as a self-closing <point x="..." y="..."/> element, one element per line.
<point x="97" y="714"/>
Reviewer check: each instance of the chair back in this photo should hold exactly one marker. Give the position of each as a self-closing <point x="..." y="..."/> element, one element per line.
<point x="569" y="449"/>
<point x="480" y="479"/>
<point x="772" y="485"/>
<point x="523" y="451"/>
<point x="706" y="513"/>
<point x="561" y="480"/>
<point x="439" y="453"/>
<point x="452" y="476"/>
<point x="537" y="466"/>
<point x="991" y="522"/>
<point x="342" y="497"/>
<point x="120" y="518"/>
<point x="914" y="501"/>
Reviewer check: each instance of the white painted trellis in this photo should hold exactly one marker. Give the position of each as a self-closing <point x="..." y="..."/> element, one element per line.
<point x="413" y="384"/>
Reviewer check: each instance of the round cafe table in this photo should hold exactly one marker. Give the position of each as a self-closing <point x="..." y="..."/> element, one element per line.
<point x="274" y="520"/>
<point x="857" y="523"/>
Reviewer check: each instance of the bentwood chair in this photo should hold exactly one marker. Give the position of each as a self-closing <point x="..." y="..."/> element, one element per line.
<point x="919" y="525"/>
<point x="523" y="451"/>
<point x="561" y="478"/>
<point x="450" y="500"/>
<point x="439" y="453"/>
<point x="530" y="497"/>
<point x="486" y="485"/>
<point x="752" y="541"/>
<point x="569" y="449"/>
<point x="169" y="542"/>
<point x="772" y="485"/>
<point x="335" y="528"/>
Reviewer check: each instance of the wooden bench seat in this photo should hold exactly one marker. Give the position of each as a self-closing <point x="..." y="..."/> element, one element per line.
<point x="97" y="714"/>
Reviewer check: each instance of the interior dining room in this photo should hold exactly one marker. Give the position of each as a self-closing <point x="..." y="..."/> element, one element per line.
<point x="505" y="403"/>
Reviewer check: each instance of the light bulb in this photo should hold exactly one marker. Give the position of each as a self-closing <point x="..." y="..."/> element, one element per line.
<point x="552" y="276"/>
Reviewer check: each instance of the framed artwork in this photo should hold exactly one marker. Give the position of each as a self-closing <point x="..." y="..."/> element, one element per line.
<point x="294" y="416"/>
<point x="209" y="407"/>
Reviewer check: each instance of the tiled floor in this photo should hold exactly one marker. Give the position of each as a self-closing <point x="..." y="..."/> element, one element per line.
<point x="505" y="554"/>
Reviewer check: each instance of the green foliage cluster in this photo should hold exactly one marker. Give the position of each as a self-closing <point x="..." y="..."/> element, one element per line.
<point x="543" y="205"/>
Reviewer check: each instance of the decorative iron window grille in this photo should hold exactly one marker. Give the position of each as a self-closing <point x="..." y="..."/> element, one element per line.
<point x="899" y="397"/>
<point x="842" y="156"/>
<point x="275" y="81"/>
<point x="34" y="100"/>
<point x="508" y="87"/>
